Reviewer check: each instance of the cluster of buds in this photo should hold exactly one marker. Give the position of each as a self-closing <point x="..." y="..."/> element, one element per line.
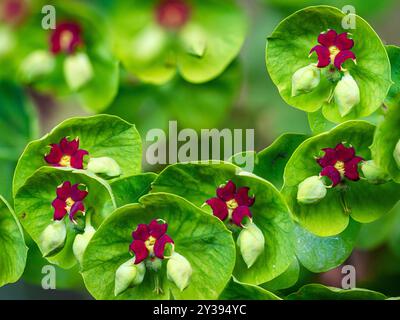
<point x="333" y="50"/>
<point x="233" y="206"/>
<point x="149" y="246"/>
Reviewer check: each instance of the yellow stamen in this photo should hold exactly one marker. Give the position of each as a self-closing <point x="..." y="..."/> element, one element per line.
<point x="149" y="243"/>
<point x="339" y="166"/>
<point x="65" y="161"/>
<point x="333" y="50"/>
<point x="66" y="39"/>
<point x="69" y="203"/>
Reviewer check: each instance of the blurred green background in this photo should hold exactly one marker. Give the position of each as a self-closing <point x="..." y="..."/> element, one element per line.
<point x="242" y="97"/>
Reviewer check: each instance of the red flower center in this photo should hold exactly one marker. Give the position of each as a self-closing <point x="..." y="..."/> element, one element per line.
<point x="334" y="49"/>
<point x="67" y="37"/>
<point x="340" y="163"/>
<point x="149" y="240"/>
<point x="231" y="203"/>
<point x="172" y="14"/>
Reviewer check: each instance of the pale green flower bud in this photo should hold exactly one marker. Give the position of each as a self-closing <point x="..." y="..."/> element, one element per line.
<point x="53" y="237"/>
<point x="194" y="40"/>
<point x="396" y="154"/>
<point x="37" y="64"/>
<point x="311" y="190"/>
<point x="149" y="44"/>
<point x="104" y="165"/>
<point x="81" y="242"/>
<point x="128" y="275"/>
<point x="305" y="80"/>
<point x="7" y="41"/>
<point x="347" y="94"/>
<point x="373" y="173"/>
<point x="78" y="70"/>
<point x="251" y="243"/>
<point x="179" y="270"/>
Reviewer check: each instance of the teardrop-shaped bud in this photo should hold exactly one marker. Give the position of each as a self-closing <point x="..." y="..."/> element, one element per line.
<point x="305" y="80"/>
<point x="194" y="40"/>
<point x="148" y="44"/>
<point x="396" y="154"/>
<point x="37" y="64"/>
<point x="128" y="275"/>
<point x="347" y="94"/>
<point x="78" y="70"/>
<point x="179" y="270"/>
<point x="53" y="237"/>
<point x="311" y="190"/>
<point x="104" y="165"/>
<point x="251" y="243"/>
<point x="373" y="173"/>
<point x="81" y="242"/>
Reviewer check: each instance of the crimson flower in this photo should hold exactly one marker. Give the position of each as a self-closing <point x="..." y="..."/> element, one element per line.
<point x="172" y="14"/>
<point x="333" y="49"/>
<point x="66" y="154"/>
<point x="13" y="11"/>
<point x="69" y="201"/>
<point x="67" y="37"/>
<point x="340" y="163"/>
<point x="232" y="203"/>
<point x="150" y="240"/>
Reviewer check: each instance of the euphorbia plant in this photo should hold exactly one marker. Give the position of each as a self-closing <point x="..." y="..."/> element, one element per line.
<point x="197" y="38"/>
<point x="311" y="59"/>
<point x="190" y="258"/>
<point x="72" y="59"/>
<point x="260" y="225"/>
<point x="324" y="189"/>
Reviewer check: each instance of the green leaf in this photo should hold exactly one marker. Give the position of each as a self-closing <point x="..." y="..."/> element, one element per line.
<point x="366" y="201"/>
<point x="130" y="189"/>
<point x="386" y="138"/>
<point x="35" y="212"/>
<point x="286" y="279"/>
<point x="393" y="98"/>
<point x="101" y="136"/>
<point x="155" y="54"/>
<point x="288" y="48"/>
<point x="374" y="234"/>
<point x="320" y="292"/>
<point x="270" y="213"/>
<point x="270" y="162"/>
<point x="318" y="123"/>
<point x="321" y="254"/>
<point x="13" y="249"/>
<point x="200" y="238"/>
<point x="236" y="290"/>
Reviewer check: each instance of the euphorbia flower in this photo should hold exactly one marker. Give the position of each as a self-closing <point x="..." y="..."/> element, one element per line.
<point x="66" y="38"/>
<point x="69" y="201"/>
<point x="340" y="163"/>
<point x="333" y="49"/>
<point x="232" y="203"/>
<point x="172" y="14"/>
<point x="66" y="154"/>
<point x="150" y="240"/>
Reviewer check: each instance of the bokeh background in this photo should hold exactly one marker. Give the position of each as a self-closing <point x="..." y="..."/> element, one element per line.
<point x="242" y="97"/>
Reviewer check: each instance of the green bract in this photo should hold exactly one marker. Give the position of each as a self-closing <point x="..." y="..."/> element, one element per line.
<point x="270" y="162"/>
<point x="286" y="279"/>
<point x="100" y="135"/>
<point x="386" y="140"/>
<point x="33" y="206"/>
<point x="367" y="202"/>
<point x="320" y="292"/>
<point x="288" y="49"/>
<point x="236" y="290"/>
<point x="13" y="249"/>
<point x="200" y="49"/>
<point x="200" y="238"/>
<point x="269" y="212"/>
